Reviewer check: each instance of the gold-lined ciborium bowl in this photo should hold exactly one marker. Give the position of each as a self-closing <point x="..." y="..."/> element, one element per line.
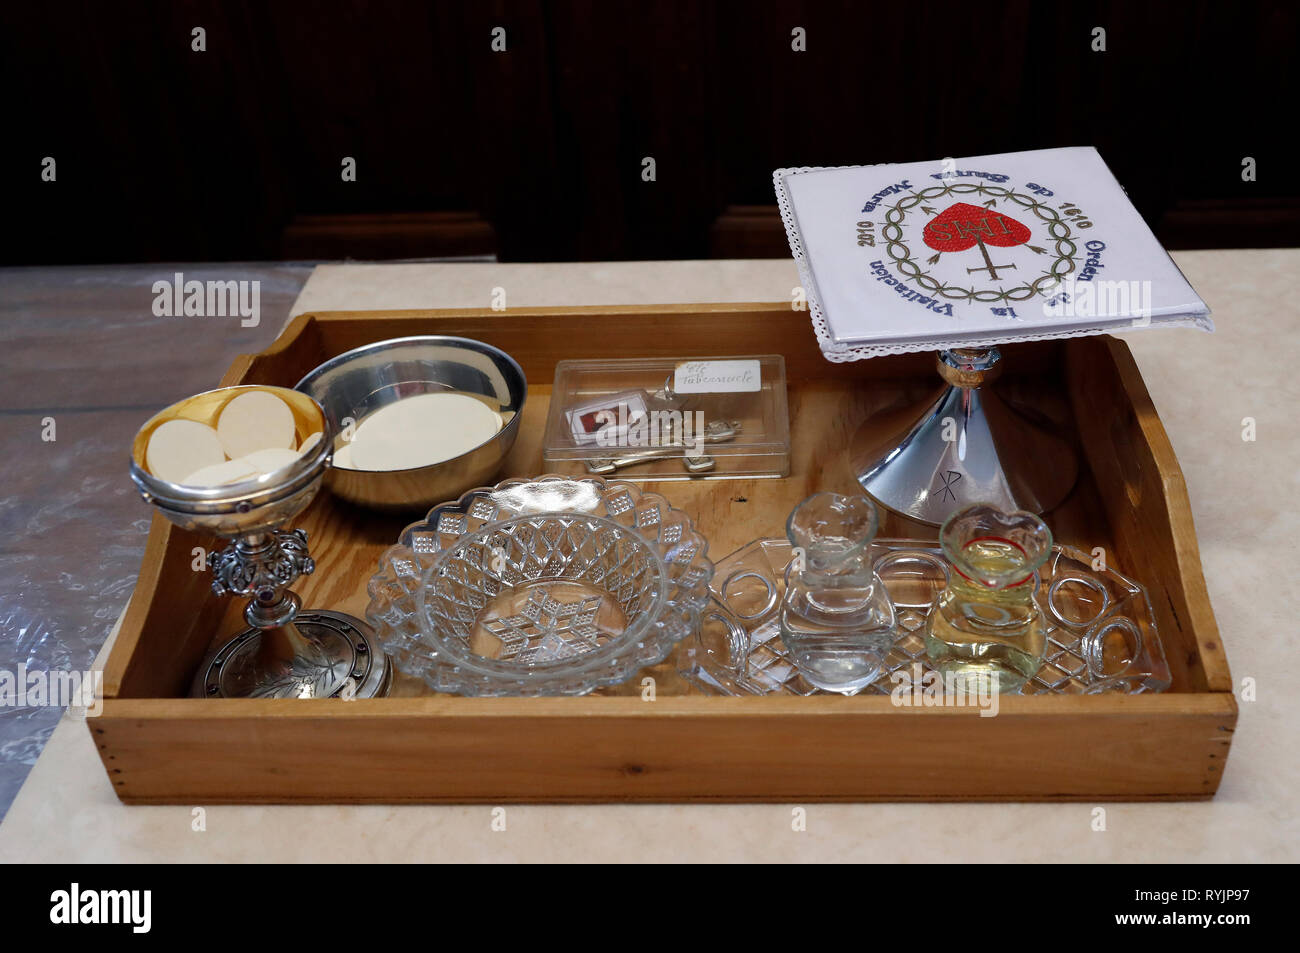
<point x="285" y="652"/>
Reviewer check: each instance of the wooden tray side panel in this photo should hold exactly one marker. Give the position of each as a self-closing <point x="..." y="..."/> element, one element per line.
<point x="299" y="349"/>
<point x="158" y="644"/>
<point x="540" y="337"/>
<point x="618" y="749"/>
<point x="1142" y="488"/>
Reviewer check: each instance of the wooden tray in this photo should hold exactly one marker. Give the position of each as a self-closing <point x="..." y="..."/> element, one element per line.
<point x="160" y="747"/>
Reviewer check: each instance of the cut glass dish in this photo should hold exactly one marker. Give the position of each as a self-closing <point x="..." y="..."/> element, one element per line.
<point x="1101" y="634"/>
<point x="546" y="586"/>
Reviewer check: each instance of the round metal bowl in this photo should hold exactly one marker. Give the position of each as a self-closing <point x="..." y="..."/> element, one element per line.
<point x="355" y="384"/>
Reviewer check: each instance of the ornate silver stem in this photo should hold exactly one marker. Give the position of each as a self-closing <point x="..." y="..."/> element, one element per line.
<point x="263" y="566"/>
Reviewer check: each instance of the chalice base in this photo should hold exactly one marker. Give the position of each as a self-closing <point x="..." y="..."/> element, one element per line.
<point x="965" y="446"/>
<point x="320" y="654"/>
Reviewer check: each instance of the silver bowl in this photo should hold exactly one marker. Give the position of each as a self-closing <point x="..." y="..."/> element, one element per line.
<point x="357" y="383"/>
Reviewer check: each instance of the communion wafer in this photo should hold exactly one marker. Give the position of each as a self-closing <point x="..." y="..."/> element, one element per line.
<point x="422" y="430"/>
<point x="343" y="457"/>
<point x="269" y="460"/>
<point x="254" y="421"/>
<point x="179" y="447"/>
<point x="310" y="443"/>
<point x="219" y="474"/>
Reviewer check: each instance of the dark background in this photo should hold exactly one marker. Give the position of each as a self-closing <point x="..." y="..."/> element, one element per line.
<point x="166" y="154"/>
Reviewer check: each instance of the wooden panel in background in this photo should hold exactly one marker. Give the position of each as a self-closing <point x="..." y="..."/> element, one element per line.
<point x="392" y="235"/>
<point x="547" y="139"/>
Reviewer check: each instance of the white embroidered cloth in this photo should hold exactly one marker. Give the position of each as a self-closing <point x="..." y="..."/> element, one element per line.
<point x="1022" y="246"/>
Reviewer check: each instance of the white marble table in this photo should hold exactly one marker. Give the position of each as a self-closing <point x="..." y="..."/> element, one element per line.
<point x="1241" y="495"/>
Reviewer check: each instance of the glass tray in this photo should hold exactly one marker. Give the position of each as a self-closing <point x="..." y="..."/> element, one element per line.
<point x="1102" y="635"/>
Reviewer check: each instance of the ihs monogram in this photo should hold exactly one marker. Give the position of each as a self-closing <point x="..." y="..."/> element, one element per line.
<point x="963" y="226"/>
<point x="952" y="229"/>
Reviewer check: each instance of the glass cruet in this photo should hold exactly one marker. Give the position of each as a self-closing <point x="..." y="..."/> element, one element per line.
<point x="987" y="631"/>
<point x="837" y="621"/>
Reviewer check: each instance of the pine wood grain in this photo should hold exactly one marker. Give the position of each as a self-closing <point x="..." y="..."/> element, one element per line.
<point x="684" y="749"/>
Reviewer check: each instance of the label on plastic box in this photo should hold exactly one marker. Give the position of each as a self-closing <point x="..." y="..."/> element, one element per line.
<point x="717" y="377"/>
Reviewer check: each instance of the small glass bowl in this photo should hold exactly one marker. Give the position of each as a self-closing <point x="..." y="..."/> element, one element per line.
<point x="547" y="604"/>
<point x="404" y="567"/>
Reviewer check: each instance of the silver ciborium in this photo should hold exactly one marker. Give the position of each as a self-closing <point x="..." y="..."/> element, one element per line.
<point x="285" y="652"/>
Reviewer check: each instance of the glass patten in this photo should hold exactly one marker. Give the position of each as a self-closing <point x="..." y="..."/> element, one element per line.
<point x="1100" y="633"/>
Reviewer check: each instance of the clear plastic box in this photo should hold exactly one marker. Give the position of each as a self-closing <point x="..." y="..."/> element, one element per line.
<point x="712" y="418"/>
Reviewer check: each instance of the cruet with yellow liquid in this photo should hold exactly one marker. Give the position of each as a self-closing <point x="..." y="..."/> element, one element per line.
<point x="987" y="631"/>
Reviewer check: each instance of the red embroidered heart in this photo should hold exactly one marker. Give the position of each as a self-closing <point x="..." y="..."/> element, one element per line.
<point x="961" y="226"/>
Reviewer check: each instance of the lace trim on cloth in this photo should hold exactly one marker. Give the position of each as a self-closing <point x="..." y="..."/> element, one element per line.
<point x="840" y="353"/>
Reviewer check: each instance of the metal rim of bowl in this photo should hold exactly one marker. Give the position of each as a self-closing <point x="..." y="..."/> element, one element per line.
<point x="347" y="357"/>
<point x="226" y="499"/>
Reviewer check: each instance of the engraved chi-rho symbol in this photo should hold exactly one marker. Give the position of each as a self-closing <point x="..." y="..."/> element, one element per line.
<point x="949" y="479"/>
